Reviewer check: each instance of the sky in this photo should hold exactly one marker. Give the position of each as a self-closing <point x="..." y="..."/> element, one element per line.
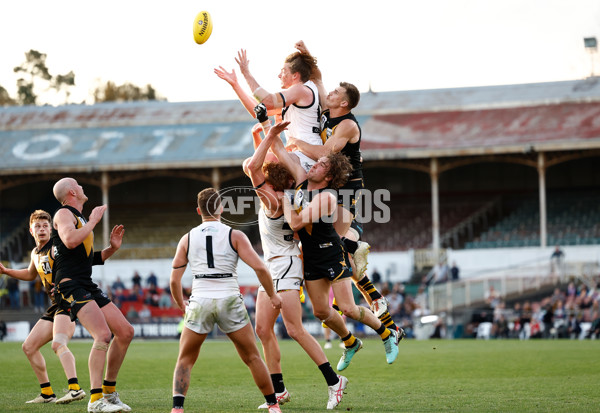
<point x="382" y="45"/>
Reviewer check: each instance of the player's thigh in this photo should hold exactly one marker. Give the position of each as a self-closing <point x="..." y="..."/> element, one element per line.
<point x="342" y="291"/>
<point x="92" y="318"/>
<point x="189" y="345"/>
<point x="343" y="220"/>
<point x="245" y="342"/>
<point x="318" y="292"/>
<point x="116" y="321"/>
<point x="266" y="315"/>
<point x="291" y="308"/>
<point x="40" y="334"/>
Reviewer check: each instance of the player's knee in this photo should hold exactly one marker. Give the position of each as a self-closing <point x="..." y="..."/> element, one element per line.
<point x="349" y="311"/>
<point x="59" y="344"/>
<point x="295" y="332"/>
<point x="28" y="349"/>
<point x="126" y="333"/>
<point x="321" y="314"/>
<point x="263" y="332"/>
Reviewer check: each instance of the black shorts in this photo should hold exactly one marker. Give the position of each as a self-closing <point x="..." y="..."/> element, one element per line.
<point x="336" y="269"/>
<point x="51" y="312"/>
<point x="72" y="295"/>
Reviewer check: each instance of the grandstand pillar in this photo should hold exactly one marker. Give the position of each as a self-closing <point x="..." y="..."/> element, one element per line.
<point x="435" y="208"/>
<point x="216" y="178"/>
<point x="542" y="186"/>
<point x="106" y="217"/>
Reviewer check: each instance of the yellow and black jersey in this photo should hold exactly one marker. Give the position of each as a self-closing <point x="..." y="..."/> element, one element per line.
<point x="43" y="261"/>
<point x="73" y="263"/>
<point x="320" y="243"/>
<point x="351" y="150"/>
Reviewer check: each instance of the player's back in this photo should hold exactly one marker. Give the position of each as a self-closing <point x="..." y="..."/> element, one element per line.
<point x="213" y="260"/>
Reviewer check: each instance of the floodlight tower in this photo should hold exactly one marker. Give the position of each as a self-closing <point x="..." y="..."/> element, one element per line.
<point x="591" y="45"/>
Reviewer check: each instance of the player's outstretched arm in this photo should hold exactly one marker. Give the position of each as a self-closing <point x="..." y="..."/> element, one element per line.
<point x="244" y="249"/>
<point x="24" y="274"/>
<point x="179" y="264"/>
<point x="230" y="77"/>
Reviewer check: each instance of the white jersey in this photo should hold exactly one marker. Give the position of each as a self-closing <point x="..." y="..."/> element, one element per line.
<point x="305" y="122"/>
<point x="276" y="236"/>
<point x="213" y="261"/>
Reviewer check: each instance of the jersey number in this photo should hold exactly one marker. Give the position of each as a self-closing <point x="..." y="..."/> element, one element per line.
<point x="210" y="259"/>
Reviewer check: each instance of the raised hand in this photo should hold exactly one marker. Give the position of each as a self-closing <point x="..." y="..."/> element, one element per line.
<point x="229" y="77"/>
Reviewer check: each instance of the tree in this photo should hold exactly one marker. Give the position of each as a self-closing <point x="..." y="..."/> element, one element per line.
<point x="5" y="99"/>
<point x="35" y="70"/>
<point x="111" y="92"/>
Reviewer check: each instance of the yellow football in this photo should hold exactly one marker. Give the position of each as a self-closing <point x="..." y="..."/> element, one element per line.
<point x="202" y="27"/>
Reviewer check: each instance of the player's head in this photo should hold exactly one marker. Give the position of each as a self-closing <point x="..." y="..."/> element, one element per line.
<point x="67" y="190"/>
<point x="346" y="96"/>
<point x="277" y="176"/>
<point x="40" y="226"/>
<point x="209" y="203"/>
<point x="297" y="66"/>
<point x="332" y="169"/>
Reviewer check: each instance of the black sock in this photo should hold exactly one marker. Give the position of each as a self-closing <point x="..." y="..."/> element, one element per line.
<point x="277" y="380"/>
<point x="351" y="246"/>
<point x="347" y="337"/>
<point x="329" y="374"/>
<point x="381" y="329"/>
<point x="271" y="399"/>
<point x="178" y="402"/>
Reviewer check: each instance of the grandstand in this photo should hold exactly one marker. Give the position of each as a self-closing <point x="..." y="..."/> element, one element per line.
<point x="469" y="169"/>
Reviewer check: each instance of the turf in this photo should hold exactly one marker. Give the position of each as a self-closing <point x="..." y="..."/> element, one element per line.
<point x="429" y="376"/>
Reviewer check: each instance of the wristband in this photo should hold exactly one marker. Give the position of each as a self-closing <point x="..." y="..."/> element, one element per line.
<point x="261" y="113"/>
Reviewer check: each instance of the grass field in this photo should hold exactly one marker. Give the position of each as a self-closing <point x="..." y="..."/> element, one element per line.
<point x="429" y="376"/>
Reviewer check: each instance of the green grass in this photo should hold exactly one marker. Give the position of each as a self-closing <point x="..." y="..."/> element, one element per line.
<point x="429" y="376"/>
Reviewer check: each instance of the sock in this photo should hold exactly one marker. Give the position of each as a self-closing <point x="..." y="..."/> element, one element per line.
<point x="74" y="384"/>
<point x="383" y="332"/>
<point x="367" y="286"/>
<point x="95" y="394"/>
<point x="351" y="246"/>
<point x="387" y="321"/>
<point x="47" y="391"/>
<point x="277" y="380"/>
<point x="335" y="306"/>
<point x="271" y="399"/>
<point x="109" y="387"/>
<point x="349" y="340"/>
<point x="329" y="374"/>
<point x="178" y="402"/>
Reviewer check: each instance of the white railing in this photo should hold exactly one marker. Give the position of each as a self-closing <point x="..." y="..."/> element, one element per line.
<point x="464" y="293"/>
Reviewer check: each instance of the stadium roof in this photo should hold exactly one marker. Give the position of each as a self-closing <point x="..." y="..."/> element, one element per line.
<point x="408" y="124"/>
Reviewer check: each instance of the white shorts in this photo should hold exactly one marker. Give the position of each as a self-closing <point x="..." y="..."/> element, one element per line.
<point x="286" y="272"/>
<point x="305" y="161"/>
<point x="228" y="313"/>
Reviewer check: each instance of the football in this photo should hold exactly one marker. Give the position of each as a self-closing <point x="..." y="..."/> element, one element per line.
<point x="202" y="27"/>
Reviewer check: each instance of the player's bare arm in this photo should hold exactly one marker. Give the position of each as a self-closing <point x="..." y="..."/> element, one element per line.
<point x="25" y="274"/>
<point x="254" y="170"/>
<point x="116" y="239"/>
<point x="178" y="265"/>
<point x="244" y="249"/>
<point x="64" y="222"/>
<point x="287" y="160"/>
<point x="322" y="205"/>
<point x="346" y="132"/>
<point x="230" y="77"/>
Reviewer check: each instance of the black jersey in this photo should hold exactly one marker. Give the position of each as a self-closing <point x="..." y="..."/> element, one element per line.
<point x="73" y="263"/>
<point x="320" y="243"/>
<point x="351" y="150"/>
